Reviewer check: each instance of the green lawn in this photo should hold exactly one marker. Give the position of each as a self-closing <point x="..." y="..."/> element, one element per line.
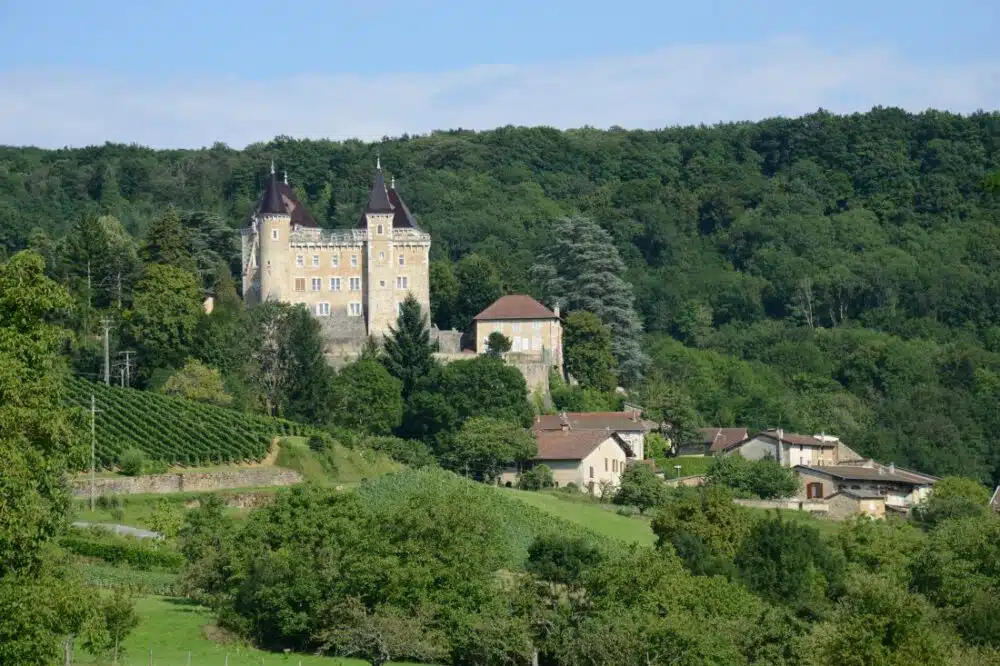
<point x="582" y="510"/>
<point x="351" y="466"/>
<point x="173" y="628"/>
<point x="690" y="465"/>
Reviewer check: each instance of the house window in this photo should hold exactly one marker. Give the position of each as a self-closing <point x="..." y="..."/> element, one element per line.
<point x="355" y="309"/>
<point x="274" y="234"/>
<point x="402" y="282"/>
<point x="614" y="466"/>
<point x="317" y="284"/>
<point x="379" y="230"/>
<point x="323" y="309"/>
<point x="355" y="284"/>
<point x="381" y="256"/>
<point x="354" y="261"/>
<point x="315" y="261"/>
<point x="814" y="490"/>
<point x="605" y="464"/>
<point x="300" y="261"/>
<point x="381" y="283"/>
<point x="334" y="284"/>
<point x="335" y="261"/>
<point x="516" y="326"/>
<point x="537" y="325"/>
<point x="402" y="260"/>
<point x="300" y="284"/>
<point x="591" y="471"/>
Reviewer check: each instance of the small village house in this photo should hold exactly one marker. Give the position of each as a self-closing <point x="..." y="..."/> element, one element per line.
<point x="792" y="449"/>
<point x="629" y="425"/>
<point x="531" y="327"/>
<point x="713" y="441"/>
<point x="902" y="489"/>
<point x="846" y="503"/>
<point x="590" y="459"/>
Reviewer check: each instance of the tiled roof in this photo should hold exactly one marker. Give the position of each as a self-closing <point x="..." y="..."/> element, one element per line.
<point x="874" y="472"/>
<point x="720" y="439"/>
<point x="615" y="421"/>
<point x="572" y="444"/>
<point x="516" y="306"/>
<point x="804" y="440"/>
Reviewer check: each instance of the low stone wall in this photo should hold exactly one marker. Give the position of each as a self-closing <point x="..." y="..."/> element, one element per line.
<point x="792" y="504"/>
<point x="186" y="482"/>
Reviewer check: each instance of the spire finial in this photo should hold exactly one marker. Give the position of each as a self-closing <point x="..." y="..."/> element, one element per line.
<point x="286" y="177"/>
<point x="378" y="160"/>
<point x="272" y="167"/>
<point x="392" y="182"/>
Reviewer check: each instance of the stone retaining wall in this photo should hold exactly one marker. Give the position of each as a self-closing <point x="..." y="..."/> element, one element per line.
<point x="793" y="504"/>
<point x="186" y="482"/>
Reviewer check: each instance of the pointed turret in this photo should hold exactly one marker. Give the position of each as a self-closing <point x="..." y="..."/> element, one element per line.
<point x="271" y="204"/>
<point x="378" y="200"/>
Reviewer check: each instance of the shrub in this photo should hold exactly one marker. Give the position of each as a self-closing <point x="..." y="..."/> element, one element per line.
<point x="410" y="452"/>
<point x="118" y="550"/>
<point x="118" y="514"/>
<point x="536" y="478"/>
<point x="156" y="467"/>
<point x="320" y="441"/>
<point x="132" y="462"/>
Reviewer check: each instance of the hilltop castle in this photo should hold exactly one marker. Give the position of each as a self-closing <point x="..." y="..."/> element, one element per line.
<point x="353" y="280"/>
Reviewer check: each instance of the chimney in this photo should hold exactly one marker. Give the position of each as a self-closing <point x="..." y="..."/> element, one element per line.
<point x="563" y="421"/>
<point x="555" y="311"/>
<point x="781" y="434"/>
<point x="892" y="468"/>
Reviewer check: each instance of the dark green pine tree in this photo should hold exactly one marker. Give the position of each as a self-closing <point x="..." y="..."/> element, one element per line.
<point x="408" y="349"/>
<point x="168" y="242"/>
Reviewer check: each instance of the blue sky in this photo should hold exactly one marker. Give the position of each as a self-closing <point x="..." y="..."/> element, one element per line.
<point x="186" y="73"/>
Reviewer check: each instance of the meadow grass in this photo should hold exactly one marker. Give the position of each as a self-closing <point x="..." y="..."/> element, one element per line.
<point x="588" y="513"/>
<point x="175" y="632"/>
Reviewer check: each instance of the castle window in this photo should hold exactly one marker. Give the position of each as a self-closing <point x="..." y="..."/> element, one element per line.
<point x="355" y="309"/>
<point x="300" y="284"/>
<point x="315" y="261"/>
<point x="379" y="230"/>
<point x="402" y="282"/>
<point x="334" y="284"/>
<point x="300" y="261"/>
<point x="274" y="234"/>
<point x="355" y="284"/>
<point x="381" y="256"/>
<point x="335" y="261"/>
<point x="402" y="260"/>
<point x="381" y="283"/>
<point x="323" y="309"/>
<point x="317" y="284"/>
<point x="354" y="261"/>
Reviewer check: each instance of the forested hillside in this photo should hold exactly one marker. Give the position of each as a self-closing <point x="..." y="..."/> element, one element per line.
<point x="825" y="273"/>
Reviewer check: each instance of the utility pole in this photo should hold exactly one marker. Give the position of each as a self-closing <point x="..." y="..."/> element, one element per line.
<point x="106" y="323"/>
<point x="127" y="366"/>
<point x="93" y="447"/>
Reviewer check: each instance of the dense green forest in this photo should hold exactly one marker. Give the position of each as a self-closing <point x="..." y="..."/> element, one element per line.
<point x="826" y="273"/>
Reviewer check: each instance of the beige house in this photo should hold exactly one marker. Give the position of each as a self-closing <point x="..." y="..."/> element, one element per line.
<point x="902" y="489"/>
<point x="791" y="449"/>
<point x="591" y="459"/>
<point x="353" y="280"/>
<point x="535" y="332"/>
<point x="629" y="425"/>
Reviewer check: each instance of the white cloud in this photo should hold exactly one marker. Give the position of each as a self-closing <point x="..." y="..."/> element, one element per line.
<point x="682" y="84"/>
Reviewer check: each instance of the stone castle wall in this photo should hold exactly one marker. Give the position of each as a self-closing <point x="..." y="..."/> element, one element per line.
<point x="183" y="482"/>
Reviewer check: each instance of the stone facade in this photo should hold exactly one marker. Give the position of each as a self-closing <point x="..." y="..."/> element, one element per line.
<point x="353" y="280"/>
<point x="186" y="482"/>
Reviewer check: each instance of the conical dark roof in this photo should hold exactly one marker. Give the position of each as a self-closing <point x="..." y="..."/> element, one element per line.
<point x="272" y="204"/>
<point x="378" y="200"/>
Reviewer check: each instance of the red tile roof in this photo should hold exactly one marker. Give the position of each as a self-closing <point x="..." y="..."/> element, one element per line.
<point x="616" y="421"/>
<point x="720" y="439"/>
<point x="827" y="441"/>
<point x="573" y="444"/>
<point x="515" y="306"/>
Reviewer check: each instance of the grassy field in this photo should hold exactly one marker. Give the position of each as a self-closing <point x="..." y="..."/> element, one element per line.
<point x="171" y="629"/>
<point x="690" y="465"/>
<point x="584" y="511"/>
<point x="341" y="466"/>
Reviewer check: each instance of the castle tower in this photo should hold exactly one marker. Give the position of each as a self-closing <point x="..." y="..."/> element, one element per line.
<point x="380" y="275"/>
<point x="274" y="224"/>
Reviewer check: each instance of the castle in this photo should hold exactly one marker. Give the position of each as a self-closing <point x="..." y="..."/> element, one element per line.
<point x="352" y="280"/>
